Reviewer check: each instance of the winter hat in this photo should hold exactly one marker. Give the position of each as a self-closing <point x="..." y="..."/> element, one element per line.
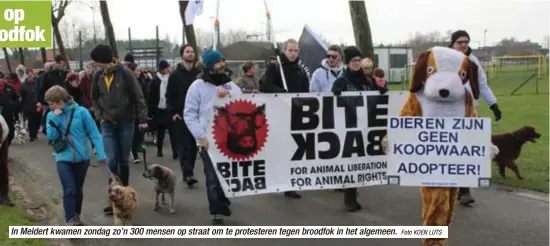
<point x="129" y="58"/>
<point x="457" y="34"/>
<point x="210" y="58"/>
<point x="102" y="53"/>
<point x="350" y="52"/>
<point x="163" y="64"/>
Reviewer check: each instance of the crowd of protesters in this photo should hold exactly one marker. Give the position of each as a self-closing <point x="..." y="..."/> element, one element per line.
<point x="113" y="103"/>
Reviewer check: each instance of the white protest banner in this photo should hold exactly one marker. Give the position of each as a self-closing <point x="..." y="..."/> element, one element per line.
<point x="265" y="143"/>
<point x="439" y="152"/>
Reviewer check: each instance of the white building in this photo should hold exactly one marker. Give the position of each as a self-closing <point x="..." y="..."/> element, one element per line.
<point x="394" y="61"/>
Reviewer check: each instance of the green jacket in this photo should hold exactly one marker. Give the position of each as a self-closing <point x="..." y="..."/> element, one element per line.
<point x="123" y="102"/>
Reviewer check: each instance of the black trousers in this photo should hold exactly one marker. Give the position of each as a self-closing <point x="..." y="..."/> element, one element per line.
<point x="34" y="121"/>
<point x="4" y="171"/>
<point x="44" y="116"/>
<point x="163" y="121"/>
<point x="463" y="191"/>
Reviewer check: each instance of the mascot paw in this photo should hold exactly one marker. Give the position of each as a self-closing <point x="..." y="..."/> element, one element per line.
<point x="384" y="144"/>
<point x="494" y="151"/>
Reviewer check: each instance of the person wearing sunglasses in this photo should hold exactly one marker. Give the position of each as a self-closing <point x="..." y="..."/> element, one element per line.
<point x="460" y="40"/>
<point x="331" y="67"/>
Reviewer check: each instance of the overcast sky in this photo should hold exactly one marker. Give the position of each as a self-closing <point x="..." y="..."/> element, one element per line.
<point x="392" y="21"/>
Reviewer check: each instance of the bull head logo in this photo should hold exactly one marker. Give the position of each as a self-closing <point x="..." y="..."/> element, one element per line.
<point x="242" y="127"/>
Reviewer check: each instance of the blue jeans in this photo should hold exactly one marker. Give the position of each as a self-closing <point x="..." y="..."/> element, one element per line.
<point x="117" y="140"/>
<point x="187" y="148"/>
<point x="72" y="176"/>
<point x="217" y="201"/>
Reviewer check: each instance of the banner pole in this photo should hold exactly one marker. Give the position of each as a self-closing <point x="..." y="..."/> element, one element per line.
<point x="217" y="27"/>
<point x="271" y="38"/>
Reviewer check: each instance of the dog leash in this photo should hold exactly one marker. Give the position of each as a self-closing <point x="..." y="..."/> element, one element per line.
<point x="115" y="177"/>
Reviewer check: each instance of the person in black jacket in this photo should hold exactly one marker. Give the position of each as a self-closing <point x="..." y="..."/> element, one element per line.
<point x="295" y="77"/>
<point x="353" y="79"/>
<point x="72" y="86"/>
<point x="8" y="102"/>
<point x="158" y="108"/>
<point x="139" y="135"/>
<point x="28" y="105"/>
<point x="178" y="83"/>
<point x="55" y="75"/>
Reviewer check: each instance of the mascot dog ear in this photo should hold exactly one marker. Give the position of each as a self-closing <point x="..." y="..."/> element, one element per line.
<point x="420" y="72"/>
<point x="474" y="78"/>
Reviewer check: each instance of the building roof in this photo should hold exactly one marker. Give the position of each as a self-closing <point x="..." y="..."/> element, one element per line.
<point x="248" y="50"/>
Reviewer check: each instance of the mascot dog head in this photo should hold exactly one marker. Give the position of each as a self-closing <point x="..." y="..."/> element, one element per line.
<point x="442" y="73"/>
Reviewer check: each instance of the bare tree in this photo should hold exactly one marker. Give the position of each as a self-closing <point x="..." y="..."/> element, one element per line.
<point x="44" y="55"/>
<point x="109" y="30"/>
<point x="205" y="39"/>
<point x="361" y="27"/>
<point x="58" y="11"/>
<point x="7" y="58"/>
<point x="21" y="56"/>
<point x="189" y="29"/>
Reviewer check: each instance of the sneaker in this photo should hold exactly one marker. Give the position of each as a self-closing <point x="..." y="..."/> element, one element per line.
<point x="137" y="161"/>
<point x="72" y="222"/>
<point x="293" y="195"/>
<point x="467" y="199"/>
<point x="77" y="221"/>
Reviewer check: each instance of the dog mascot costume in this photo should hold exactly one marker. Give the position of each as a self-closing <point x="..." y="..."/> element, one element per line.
<point x="437" y="90"/>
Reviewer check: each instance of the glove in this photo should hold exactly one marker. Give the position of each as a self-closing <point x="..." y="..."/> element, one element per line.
<point x="337" y="92"/>
<point x="382" y="90"/>
<point x="496" y="111"/>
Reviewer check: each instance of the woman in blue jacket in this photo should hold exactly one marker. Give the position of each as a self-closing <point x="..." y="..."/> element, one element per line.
<point x="72" y="151"/>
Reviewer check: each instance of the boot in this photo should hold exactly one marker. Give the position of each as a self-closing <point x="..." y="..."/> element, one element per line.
<point x="217" y="220"/>
<point x="6" y="200"/>
<point x="191" y="181"/>
<point x="466" y="199"/>
<point x="350" y="201"/>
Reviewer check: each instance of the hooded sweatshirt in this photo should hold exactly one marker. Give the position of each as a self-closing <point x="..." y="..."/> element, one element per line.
<point x="200" y="100"/>
<point x="323" y="78"/>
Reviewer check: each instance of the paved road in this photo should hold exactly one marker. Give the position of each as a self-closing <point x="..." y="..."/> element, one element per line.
<point x="499" y="218"/>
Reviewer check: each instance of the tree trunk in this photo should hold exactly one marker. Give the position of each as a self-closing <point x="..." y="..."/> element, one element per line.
<point x="361" y="28"/>
<point x="189" y="30"/>
<point x="109" y="30"/>
<point x="7" y="58"/>
<point x="59" y="41"/>
<point x="21" y="56"/>
<point x="44" y="55"/>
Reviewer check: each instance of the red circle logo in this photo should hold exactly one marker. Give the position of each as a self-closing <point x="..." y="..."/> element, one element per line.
<point x="240" y="129"/>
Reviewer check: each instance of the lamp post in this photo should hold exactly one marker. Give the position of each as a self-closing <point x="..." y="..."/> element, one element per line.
<point x="484" y="38"/>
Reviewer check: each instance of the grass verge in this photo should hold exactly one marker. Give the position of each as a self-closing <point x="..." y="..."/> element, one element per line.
<point x="13" y="216"/>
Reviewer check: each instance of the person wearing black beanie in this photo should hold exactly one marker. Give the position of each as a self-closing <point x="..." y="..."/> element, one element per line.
<point x="353" y="79"/>
<point x="460" y="41"/>
<point x="129" y="60"/>
<point x="118" y="102"/>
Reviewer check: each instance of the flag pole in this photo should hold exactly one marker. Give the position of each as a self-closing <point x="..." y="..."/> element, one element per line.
<point x="271" y="38"/>
<point x="217" y="27"/>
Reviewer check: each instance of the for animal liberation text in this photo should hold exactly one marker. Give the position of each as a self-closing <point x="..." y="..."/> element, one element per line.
<point x="227" y="232"/>
<point x="438" y="137"/>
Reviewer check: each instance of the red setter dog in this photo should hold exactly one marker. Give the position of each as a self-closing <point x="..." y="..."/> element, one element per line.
<point x="510" y="145"/>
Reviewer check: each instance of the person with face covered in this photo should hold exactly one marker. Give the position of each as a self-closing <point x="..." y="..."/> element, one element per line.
<point x="179" y="82"/>
<point x="353" y="79"/>
<point x="212" y="82"/>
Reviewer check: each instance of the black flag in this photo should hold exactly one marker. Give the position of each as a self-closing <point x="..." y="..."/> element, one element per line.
<point x="312" y="50"/>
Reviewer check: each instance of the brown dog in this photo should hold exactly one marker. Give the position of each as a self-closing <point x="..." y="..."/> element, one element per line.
<point x="510" y="148"/>
<point x="124" y="201"/>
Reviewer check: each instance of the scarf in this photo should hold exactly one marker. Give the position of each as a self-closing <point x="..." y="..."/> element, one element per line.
<point x="163" y="86"/>
<point x="109" y="73"/>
